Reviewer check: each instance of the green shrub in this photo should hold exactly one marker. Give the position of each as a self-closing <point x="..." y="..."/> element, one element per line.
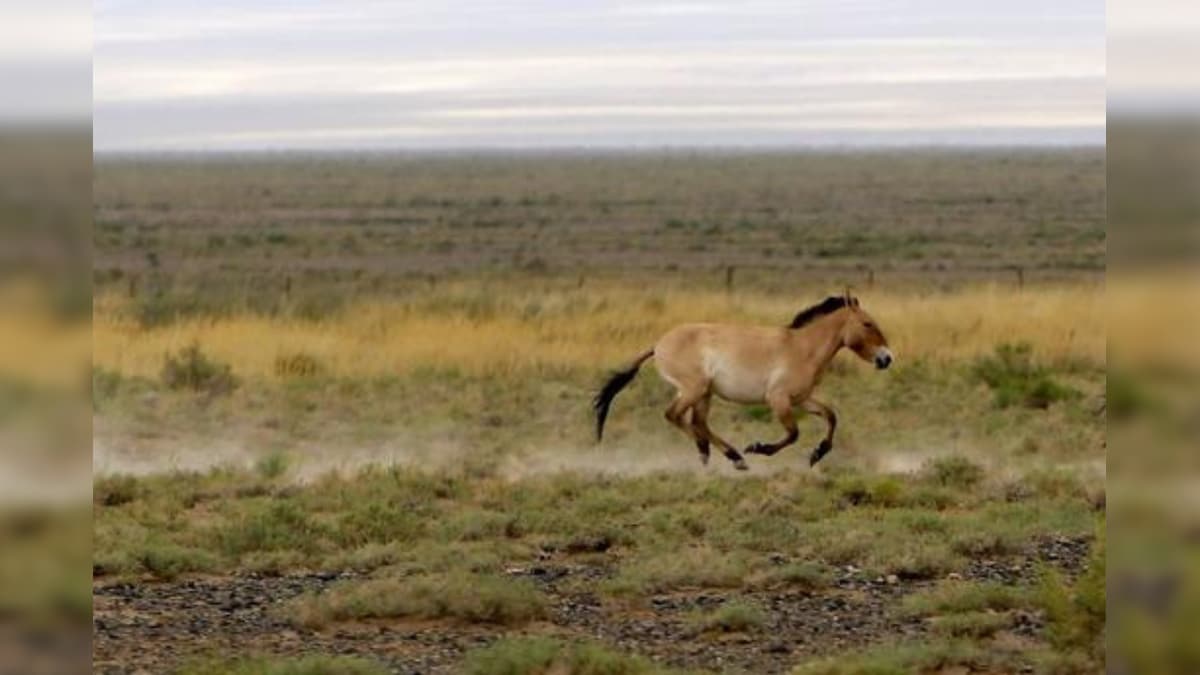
<point x="168" y="561"/>
<point x="1015" y="379"/>
<point x="378" y="522"/>
<point x="115" y="490"/>
<point x="105" y="384"/>
<point x="954" y="471"/>
<point x="874" y="490"/>
<point x="732" y="617"/>
<point x="958" y="597"/>
<point x="1076" y="613"/>
<point x="190" y="369"/>
<point x="920" y="560"/>
<point x="275" y="526"/>
<point x="273" y="465"/>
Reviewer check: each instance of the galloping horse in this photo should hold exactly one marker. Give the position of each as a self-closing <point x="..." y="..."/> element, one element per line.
<point x="754" y="364"/>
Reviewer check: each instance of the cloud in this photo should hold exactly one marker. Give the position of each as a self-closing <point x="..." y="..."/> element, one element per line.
<point x="587" y="73"/>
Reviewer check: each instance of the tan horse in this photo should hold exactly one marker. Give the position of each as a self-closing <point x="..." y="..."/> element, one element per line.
<point x="755" y="364"/>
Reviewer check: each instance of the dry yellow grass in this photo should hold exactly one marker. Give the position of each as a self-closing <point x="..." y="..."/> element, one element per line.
<point x="478" y="329"/>
<point x="1154" y="319"/>
<point x="37" y="346"/>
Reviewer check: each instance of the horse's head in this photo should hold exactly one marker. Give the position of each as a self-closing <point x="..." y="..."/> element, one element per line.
<point x="864" y="337"/>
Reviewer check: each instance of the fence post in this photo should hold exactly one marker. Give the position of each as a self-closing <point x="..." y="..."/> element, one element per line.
<point x="729" y="279"/>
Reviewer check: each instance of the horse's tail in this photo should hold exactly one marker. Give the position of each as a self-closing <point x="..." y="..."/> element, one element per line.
<point x="618" y="381"/>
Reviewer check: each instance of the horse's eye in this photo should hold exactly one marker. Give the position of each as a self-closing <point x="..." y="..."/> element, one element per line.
<point x="868" y="325"/>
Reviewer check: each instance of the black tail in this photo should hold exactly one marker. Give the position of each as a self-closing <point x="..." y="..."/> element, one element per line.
<point x="618" y="381"/>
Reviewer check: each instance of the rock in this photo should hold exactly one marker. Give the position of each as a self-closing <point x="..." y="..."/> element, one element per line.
<point x="892" y="580"/>
<point x="778" y="648"/>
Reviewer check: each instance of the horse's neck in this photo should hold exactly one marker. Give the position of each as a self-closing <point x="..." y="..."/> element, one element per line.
<point x="825" y="339"/>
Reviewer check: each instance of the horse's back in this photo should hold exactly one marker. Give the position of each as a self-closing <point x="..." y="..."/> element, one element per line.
<point x="722" y="336"/>
<point x="737" y="361"/>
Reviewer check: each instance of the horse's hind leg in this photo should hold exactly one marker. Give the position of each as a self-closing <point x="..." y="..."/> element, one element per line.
<point x="781" y="405"/>
<point x="676" y="415"/>
<point x="700" y="412"/>
<point x="821" y="410"/>
<point x="700" y="424"/>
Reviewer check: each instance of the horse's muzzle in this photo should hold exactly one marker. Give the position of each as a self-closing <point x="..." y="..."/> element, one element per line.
<point x="883" y="358"/>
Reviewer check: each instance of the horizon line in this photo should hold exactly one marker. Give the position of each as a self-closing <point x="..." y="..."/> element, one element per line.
<point x="610" y="149"/>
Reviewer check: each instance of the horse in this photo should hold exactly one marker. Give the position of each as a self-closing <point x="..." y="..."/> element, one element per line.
<point x="779" y="366"/>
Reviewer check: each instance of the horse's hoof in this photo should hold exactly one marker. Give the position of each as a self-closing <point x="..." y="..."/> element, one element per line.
<point x="704" y="460"/>
<point x="821" y="450"/>
<point x="740" y="465"/>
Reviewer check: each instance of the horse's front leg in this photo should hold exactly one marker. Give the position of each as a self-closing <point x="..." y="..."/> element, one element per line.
<point x="821" y="410"/>
<point x="781" y="405"/>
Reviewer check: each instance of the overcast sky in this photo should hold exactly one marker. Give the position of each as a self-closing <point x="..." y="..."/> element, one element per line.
<point x="255" y="74"/>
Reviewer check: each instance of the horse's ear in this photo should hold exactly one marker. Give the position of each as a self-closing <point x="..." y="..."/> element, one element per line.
<point x="851" y="301"/>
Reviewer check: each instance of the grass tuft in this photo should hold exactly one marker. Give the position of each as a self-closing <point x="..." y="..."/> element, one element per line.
<point x="974" y="625"/>
<point x="699" y="567"/>
<point x="307" y="665"/>
<point x="546" y="656"/>
<point x="168" y="561"/>
<point x="927" y="657"/>
<point x="954" y="471"/>
<point x="808" y="576"/>
<point x="273" y="465"/>
<point x="732" y="617"/>
<point x="115" y="490"/>
<point x="270" y="526"/>
<point x="473" y="598"/>
<point x="958" y="597"/>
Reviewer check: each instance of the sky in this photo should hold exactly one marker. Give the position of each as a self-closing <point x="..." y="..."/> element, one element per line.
<point x="256" y="74"/>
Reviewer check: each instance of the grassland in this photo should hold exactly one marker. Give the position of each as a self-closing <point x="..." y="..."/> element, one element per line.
<point x="309" y="234"/>
<point x="341" y="406"/>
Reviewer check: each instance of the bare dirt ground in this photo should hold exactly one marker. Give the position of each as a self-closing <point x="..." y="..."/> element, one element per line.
<point x="153" y="627"/>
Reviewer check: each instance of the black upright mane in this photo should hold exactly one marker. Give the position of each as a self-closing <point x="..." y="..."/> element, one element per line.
<point x="826" y="306"/>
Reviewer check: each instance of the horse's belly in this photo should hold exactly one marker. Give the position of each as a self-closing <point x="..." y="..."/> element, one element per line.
<point x="739" y="388"/>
